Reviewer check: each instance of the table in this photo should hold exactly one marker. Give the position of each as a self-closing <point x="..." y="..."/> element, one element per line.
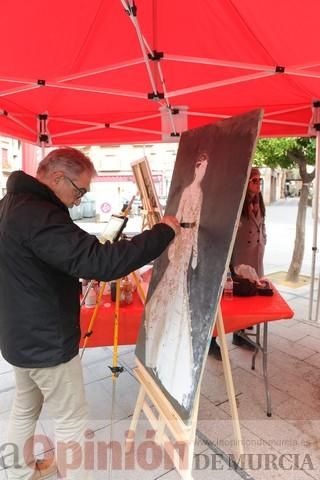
<point x="241" y="312"/>
<point x="237" y="312"/>
<point x="129" y="322"/>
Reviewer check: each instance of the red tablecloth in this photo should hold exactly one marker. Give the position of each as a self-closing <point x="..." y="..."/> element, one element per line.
<point x="103" y="331"/>
<point x="239" y="312"/>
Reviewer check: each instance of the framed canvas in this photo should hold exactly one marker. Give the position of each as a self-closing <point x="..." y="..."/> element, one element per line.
<point x="206" y="195"/>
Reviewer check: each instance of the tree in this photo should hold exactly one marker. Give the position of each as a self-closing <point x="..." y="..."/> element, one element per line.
<point x="288" y="153"/>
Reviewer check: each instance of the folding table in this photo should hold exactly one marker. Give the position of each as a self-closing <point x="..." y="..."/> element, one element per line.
<point x="237" y="313"/>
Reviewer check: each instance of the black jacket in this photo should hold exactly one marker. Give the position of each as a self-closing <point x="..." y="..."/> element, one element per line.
<point x="42" y="255"/>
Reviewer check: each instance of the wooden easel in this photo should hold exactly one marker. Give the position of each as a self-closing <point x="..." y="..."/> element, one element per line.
<point x="171" y="433"/>
<point x="229" y="383"/>
<point x="170" y="430"/>
<point x="152" y="212"/>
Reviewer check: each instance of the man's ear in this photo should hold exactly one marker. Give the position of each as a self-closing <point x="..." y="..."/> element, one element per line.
<point x="56" y="177"/>
<point x="53" y="180"/>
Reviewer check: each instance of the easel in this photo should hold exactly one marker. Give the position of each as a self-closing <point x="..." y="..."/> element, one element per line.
<point x="152" y="212"/>
<point x="170" y="430"/>
<point x="229" y="383"/>
<point x="115" y="369"/>
<point x="171" y="433"/>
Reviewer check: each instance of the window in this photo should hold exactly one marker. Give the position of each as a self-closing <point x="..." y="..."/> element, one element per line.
<point x="5" y="158"/>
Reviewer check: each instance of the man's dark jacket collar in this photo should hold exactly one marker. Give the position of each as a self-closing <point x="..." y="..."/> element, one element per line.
<point x="20" y="182"/>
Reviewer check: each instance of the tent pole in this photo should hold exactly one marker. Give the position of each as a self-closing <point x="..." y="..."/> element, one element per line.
<point x="316" y="126"/>
<point x="43" y="150"/>
<point x="316" y="211"/>
<point x="131" y="10"/>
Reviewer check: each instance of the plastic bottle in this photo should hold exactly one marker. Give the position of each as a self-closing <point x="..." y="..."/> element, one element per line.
<point x="84" y="286"/>
<point x="127" y="288"/>
<point x="228" y="287"/>
<point x="91" y="298"/>
<point x="113" y="290"/>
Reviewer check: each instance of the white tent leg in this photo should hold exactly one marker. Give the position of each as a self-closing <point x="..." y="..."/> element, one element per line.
<point x="315" y="219"/>
<point x="43" y="150"/>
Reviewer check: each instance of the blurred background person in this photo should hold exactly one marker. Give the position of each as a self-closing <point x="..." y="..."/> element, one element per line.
<point x="249" y="246"/>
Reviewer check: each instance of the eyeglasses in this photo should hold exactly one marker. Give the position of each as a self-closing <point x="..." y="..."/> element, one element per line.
<point x="80" y="191"/>
<point x="255" y="180"/>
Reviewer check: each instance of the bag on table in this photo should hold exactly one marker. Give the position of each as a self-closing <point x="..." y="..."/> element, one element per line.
<point x="242" y="287"/>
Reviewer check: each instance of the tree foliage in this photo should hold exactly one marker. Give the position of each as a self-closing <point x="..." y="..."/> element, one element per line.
<point x="282" y="152"/>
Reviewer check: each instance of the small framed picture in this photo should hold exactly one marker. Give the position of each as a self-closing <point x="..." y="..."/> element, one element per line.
<point x="114" y="228"/>
<point x="147" y="191"/>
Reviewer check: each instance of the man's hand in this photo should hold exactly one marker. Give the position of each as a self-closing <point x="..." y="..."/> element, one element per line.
<point x="171" y="222"/>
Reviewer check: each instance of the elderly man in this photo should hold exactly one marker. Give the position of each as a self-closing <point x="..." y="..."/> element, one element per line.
<point x="42" y="255"/>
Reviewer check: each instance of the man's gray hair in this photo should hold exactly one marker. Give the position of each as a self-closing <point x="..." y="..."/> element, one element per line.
<point x="69" y="160"/>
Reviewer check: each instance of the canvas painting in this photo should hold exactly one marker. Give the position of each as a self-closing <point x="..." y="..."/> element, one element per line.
<point x="206" y="195"/>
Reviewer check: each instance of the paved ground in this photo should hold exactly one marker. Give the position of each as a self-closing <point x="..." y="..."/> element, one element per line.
<point x="285" y="446"/>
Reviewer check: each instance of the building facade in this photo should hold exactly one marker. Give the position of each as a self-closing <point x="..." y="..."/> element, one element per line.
<point x="115" y="185"/>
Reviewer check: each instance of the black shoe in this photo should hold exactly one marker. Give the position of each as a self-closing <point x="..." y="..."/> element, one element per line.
<point x="242" y="342"/>
<point x="214" y="349"/>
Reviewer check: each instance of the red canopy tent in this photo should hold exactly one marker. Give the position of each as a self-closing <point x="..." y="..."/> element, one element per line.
<point x="82" y="72"/>
<point x="119" y="71"/>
